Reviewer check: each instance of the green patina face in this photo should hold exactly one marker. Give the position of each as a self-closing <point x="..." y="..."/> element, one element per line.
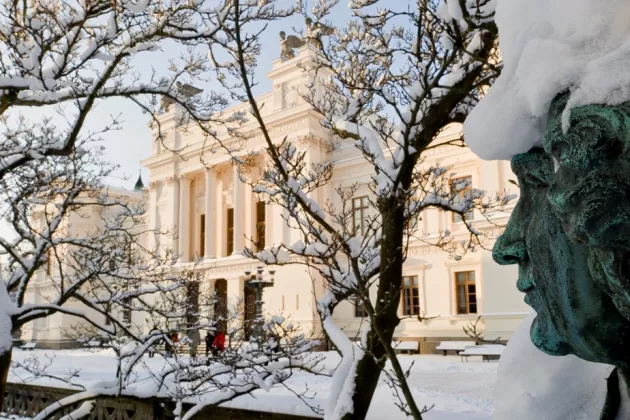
<point x="570" y="232"/>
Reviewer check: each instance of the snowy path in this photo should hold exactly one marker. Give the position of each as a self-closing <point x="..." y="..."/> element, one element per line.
<point x="459" y="390"/>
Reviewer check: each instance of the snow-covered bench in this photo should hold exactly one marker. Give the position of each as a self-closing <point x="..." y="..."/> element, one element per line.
<point x="486" y="351"/>
<point x="406" y="346"/>
<point x="455" y="346"/>
<point x="28" y="346"/>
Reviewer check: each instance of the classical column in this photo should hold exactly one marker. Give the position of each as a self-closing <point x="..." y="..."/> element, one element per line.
<point x="278" y="224"/>
<point x="184" y="218"/>
<point x="220" y="227"/>
<point x="237" y="188"/>
<point x="153" y="239"/>
<point x="235" y="292"/>
<point x="286" y="229"/>
<point x="211" y="223"/>
<point x="174" y="187"/>
<point x="269" y="211"/>
<point x="249" y="211"/>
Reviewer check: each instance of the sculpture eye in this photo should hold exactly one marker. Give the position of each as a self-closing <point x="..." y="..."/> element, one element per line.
<point x="556" y="165"/>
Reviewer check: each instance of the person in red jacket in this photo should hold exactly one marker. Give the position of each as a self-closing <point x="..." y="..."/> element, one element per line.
<point x="170" y="348"/>
<point x="218" y="346"/>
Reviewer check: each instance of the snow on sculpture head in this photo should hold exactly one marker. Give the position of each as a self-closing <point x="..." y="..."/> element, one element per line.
<point x="548" y="47"/>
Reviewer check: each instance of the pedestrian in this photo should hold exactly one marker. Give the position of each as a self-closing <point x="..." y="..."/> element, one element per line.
<point x="209" y="342"/>
<point x="154" y="332"/>
<point x="170" y="346"/>
<point x="218" y="346"/>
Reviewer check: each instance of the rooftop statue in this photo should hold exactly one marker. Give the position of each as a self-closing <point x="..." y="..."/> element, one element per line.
<point x="184" y="90"/>
<point x="314" y="32"/>
<point x="288" y="43"/>
<point x="569" y="235"/>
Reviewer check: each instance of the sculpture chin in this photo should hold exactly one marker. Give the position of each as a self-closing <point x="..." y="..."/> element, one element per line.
<point x="545" y="337"/>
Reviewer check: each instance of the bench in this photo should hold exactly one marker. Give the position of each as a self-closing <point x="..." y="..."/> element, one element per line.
<point x="409" y="347"/>
<point x="28" y="346"/>
<point x="486" y="351"/>
<point x="455" y="346"/>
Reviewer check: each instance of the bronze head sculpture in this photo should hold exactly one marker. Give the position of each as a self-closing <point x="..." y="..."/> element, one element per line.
<point x="569" y="234"/>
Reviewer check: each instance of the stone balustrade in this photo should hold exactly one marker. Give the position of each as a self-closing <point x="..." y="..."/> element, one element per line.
<point x="28" y="400"/>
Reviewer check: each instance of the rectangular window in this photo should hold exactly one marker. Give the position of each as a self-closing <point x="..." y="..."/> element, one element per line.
<point x="260" y="226"/>
<point x="410" y="295"/>
<point x="108" y="320"/>
<point x="466" y="292"/>
<point x="202" y="235"/>
<point x="230" y="231"/>
<point x="130" y="254"/>
<point x="49" y="263"/>
<point x="297" y="302"/>
<point x="462" y="188"/>
<point x="126" y="311"/>
<point x="283" y="302"/>
<point x="360" y="207"/>
<point x="359" y="308"/>
<point x="412" y="221"/>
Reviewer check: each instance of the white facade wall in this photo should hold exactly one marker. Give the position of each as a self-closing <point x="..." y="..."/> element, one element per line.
<point x="183" y="188"/>
<point x="214" y="191"/>
<point x="59" y="330"/>
<point x="499" y="303"/>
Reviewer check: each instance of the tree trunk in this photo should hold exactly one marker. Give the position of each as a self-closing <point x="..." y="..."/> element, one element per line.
<point x="386" y="320"/>
<point x="5" y="365"/>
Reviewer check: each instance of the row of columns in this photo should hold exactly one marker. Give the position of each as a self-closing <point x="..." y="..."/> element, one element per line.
<point x="215" y="218"/>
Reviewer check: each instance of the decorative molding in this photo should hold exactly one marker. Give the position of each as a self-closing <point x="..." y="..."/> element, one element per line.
<point x="290" y="95"/>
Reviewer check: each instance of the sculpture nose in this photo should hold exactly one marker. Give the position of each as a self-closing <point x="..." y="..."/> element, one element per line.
<point x="510" y="248"/>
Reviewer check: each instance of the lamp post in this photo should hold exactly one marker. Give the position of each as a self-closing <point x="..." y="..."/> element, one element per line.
<point x="258" y="282"/>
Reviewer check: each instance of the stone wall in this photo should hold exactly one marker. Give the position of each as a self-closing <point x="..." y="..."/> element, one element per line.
<point x="28" y="400"/>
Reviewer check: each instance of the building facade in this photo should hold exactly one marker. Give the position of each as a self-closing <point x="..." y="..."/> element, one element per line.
<point x="216" y="215"/>
<point x="61" y="330"/>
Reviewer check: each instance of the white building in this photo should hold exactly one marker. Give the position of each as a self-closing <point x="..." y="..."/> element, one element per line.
<point x="213" y="212"/>
<point x="59" y="330"/>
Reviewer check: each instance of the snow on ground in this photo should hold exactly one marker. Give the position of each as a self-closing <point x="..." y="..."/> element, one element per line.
<point x="459" y="390"/>
<point x="549" y="46"/>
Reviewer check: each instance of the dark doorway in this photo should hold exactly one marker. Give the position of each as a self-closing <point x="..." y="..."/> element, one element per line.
<point x="250" y="309"/>
<point x="220" y="306"/>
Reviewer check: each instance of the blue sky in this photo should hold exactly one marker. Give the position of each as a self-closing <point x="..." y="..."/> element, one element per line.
<point x="127" y="147"/>
<point x="132" y="143"/>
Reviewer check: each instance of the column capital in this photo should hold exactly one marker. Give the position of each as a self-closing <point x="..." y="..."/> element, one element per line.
<point x="185" y="178"/>
<point x="211" y="172"/>
<point x="171" y="179"/>
<point x="154" y="184"/>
